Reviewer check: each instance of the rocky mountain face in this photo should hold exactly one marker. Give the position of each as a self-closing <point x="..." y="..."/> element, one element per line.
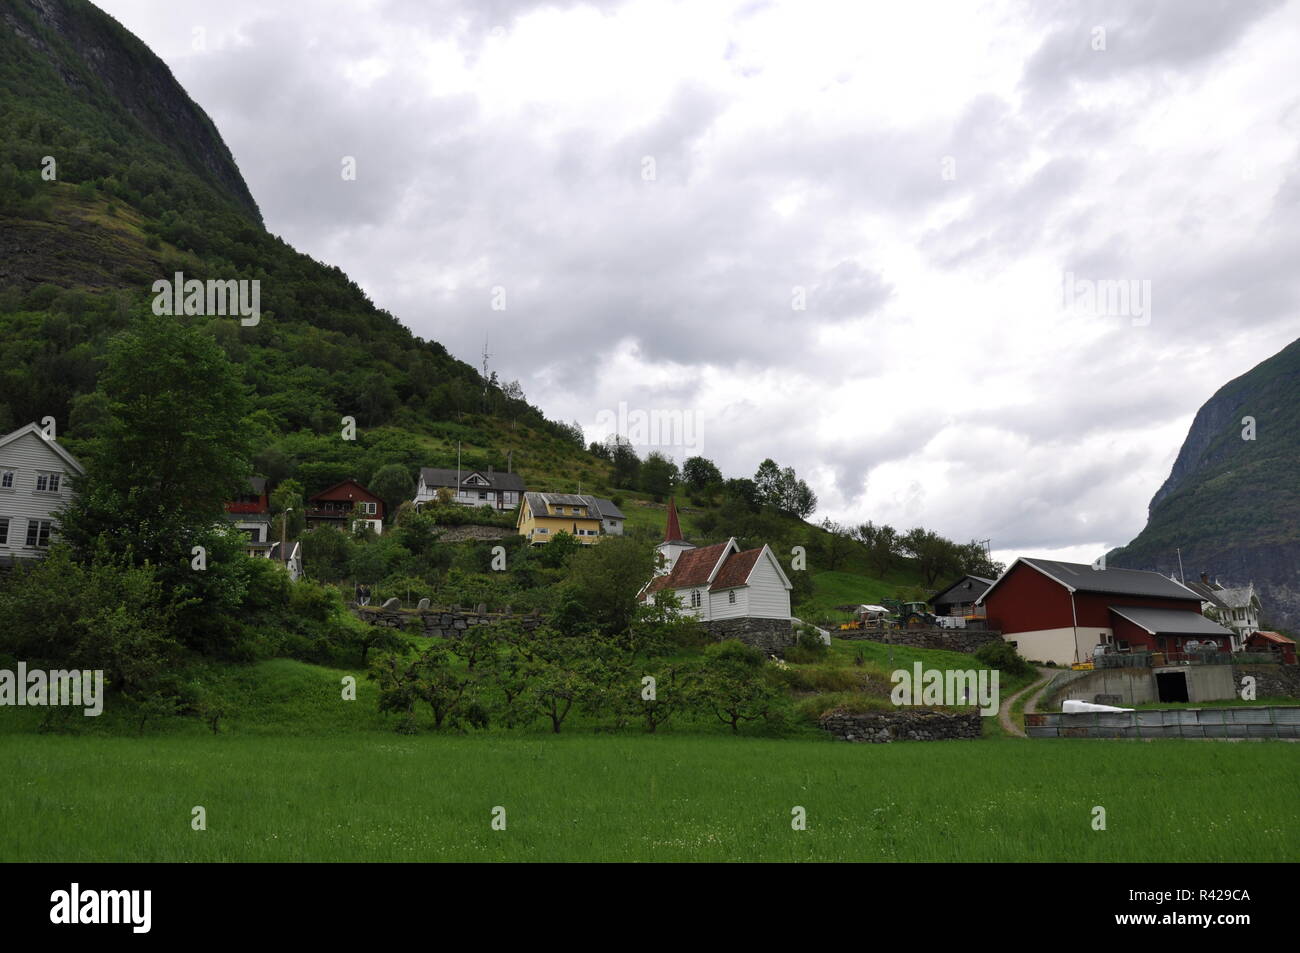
<point x="110" y="70"/>
<point x="1231" y="503"/>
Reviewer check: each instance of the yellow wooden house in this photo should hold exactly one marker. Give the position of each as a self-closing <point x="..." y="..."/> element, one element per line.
<point x="542" y="515"/>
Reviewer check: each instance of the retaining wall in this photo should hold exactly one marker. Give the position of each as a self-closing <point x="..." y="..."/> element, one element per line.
<point x="903" y="724"/>
<point x="1270" y="722"/>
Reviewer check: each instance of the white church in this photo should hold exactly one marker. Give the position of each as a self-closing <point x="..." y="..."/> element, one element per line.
<point x="722" y="584"/>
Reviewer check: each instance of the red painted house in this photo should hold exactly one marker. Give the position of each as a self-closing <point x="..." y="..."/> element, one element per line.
<point x="1060" y="612"/>
<point x="1275" y="642"/>
<point x="344" y="505"/>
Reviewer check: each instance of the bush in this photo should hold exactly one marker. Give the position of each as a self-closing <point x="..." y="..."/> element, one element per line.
<point x="1002" y="656"/>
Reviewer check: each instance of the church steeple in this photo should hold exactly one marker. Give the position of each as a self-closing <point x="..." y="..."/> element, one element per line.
<point x="674" y="531"/>
<point x="673" y="545"/>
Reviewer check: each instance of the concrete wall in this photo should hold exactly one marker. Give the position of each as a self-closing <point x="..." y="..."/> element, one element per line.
<point x="1137" y="686"/>
<point x="1272" y="722"/>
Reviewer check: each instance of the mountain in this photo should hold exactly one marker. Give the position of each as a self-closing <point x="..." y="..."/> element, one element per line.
<point x="141" y="186"/>
<point x="1232" y="504"/>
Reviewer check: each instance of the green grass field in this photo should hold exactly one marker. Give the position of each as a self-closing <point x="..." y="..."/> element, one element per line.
<point x="642" y="798"/>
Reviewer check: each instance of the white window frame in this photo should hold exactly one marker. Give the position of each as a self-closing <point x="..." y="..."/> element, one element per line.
<point x="8" y="475"/>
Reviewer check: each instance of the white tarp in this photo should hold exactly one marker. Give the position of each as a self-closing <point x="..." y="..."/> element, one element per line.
<point x="1073" y="705"/>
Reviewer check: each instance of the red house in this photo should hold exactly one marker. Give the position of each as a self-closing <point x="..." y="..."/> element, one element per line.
<point x="1060" y="612"/>
<point x="344" y="505"/>
<point x="1274" y="642"/>
<point x="253" y="500"/>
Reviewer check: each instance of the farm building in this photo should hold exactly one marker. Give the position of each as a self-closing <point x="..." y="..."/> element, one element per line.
<point x="961" y="598"/>
<point x="1274" y="642"/>
<point x="1060" y="612"/>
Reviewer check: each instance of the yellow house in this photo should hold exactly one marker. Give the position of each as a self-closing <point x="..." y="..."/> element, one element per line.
<point x="542" y="515"/>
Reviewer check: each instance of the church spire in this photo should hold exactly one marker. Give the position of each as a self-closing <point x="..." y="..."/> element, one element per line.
<point x="674" y="532"/>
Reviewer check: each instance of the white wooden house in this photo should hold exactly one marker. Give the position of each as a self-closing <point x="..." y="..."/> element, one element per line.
<point x="34" y="475"/>
<point x="501" y="491"/>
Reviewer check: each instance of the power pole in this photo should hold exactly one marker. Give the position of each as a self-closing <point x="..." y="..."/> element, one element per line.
<point x="485" y="372"/>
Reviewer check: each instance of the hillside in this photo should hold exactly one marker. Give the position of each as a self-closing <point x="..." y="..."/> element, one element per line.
<point x="1231" y="504"/>
<point x="142" y="186"/>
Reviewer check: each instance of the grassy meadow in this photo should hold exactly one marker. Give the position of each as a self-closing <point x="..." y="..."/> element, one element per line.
<point x="588" y="797"/>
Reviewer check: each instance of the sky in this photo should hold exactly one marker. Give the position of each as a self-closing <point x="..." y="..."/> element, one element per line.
<point x="967" y="266"/>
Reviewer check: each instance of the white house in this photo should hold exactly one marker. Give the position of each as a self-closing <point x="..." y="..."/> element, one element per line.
<point x="719" y="582"/>
<point x="1237" y="607"/>
<point x="501" y="491"/>
<point x="34" y="474"/>
<point x="610" y="516"/>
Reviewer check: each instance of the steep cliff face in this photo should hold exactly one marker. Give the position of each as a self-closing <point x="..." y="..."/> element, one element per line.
<point x="76" y="45"/>
<point x="1231" y="503"/>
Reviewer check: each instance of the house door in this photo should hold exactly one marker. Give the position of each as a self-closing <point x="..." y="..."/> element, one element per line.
<point x="1172" y="686"/>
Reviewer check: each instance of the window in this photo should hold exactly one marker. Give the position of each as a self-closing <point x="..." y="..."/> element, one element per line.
<point x="695" y="599"/>
<point x="731" y="596"/>
<point x="482" y="496"/>
<point x="47" y="482"/>
<point x="7" y="480"/>
<point x="38" y="533"/>
<point x="4" y="529"/>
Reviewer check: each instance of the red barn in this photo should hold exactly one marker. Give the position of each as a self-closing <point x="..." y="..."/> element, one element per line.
<point x="344" y="505"/>
<point x="1059" y="612"/>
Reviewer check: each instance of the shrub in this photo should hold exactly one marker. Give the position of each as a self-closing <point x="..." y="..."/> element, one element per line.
<point x="1003" y="656"/>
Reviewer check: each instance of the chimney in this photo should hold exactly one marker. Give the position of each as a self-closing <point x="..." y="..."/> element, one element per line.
<point x="1205" y="578"/>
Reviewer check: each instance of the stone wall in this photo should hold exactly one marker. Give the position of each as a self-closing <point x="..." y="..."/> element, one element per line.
<point x="951" y="640"/>
<point x="772" y="636"/>
<point x="1270" y="680"/>
<point x="903" y="724"/>
<point x="440" y="623"/>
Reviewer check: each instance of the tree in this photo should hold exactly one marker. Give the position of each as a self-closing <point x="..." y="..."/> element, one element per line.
<point x="173" y="449"/>
<point x="658" y="475"/>
<point x="733" y="685"/>
<point x="882" y="543"/>
<point x="836" y="545"/>
<point x="392" y="484"/>
<point x="767" y="483"/>
<point x="326" y="552"/>
<point x="934" y="555"/>
<point x="700" y="474"/>
<point x="289" y="506"/>
<point x="627" y="465"/>
<point x="605" y="579"/>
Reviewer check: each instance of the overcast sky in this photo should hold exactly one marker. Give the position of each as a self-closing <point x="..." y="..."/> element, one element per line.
<point x="857" y="238"/>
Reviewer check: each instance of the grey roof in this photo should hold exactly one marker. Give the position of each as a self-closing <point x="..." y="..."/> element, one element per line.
<point x="1208" y="594"/>
<point x="435" y="476"/>
<point x="1082" y="577"/>
<point x="605" y="508"/>
<point x="1170" y="621"/>
<point x="975" y="586"/>
<point x="1239" y="597"/>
